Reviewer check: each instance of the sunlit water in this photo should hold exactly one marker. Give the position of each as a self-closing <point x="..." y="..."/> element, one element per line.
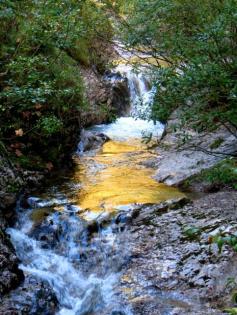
<point x="52" y="236"/>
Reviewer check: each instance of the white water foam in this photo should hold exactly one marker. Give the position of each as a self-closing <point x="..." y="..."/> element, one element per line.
<point x="128" y="127"/>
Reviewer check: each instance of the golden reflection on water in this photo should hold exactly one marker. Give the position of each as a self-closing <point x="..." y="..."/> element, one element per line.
<point x="115" y="176"/>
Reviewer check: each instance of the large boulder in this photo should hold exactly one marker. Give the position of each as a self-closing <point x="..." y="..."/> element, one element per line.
<point x="106" y="95"/>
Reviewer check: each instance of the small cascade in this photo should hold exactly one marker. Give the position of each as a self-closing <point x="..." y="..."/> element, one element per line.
<point x="141" y="92"/>
<point x="137" y="122"/>
<point x="81" y="269"/>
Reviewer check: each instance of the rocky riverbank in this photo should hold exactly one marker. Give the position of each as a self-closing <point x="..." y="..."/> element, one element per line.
<point x="173" y="268"/>
<point x="183" y="153"/>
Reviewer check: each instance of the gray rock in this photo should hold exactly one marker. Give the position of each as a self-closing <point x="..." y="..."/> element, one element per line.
<point x="179" y="162"/>
<point x="33" y="297"/>
<point x="175" y="275"/>
<point x="91" y="141"/>
<point x="7" y="200"/>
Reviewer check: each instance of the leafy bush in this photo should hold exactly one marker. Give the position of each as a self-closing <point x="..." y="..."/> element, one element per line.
<point x="197" y="41"/>
<point x="50" y="125"/>
<point x="43" y="46"/>
<point x="224" y="173"/>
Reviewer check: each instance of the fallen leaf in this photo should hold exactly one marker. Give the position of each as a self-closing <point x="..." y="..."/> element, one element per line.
<point x="49" y="166"/>
<point x="38" y="106"/>
<point x="26" y="114"/>
<point x="18" y="153"/>
<point x="19" y="132"/>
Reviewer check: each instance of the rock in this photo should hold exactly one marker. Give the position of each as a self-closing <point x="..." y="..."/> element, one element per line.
<point x="10" y="274"/>
<point x="46" y="233"/>
<point x="119" y="92"/>
<point x="179" y="162"/>
<point x="35" y="202"/>
<point x="103" y="219"/>
<point x="174" y="273"/>
<point x="7" y="200"/>
<point x="147" y="213"/>
<point x="91" y="141"/>
<point x="110" y="91"/>
<point x="33" y="297"/>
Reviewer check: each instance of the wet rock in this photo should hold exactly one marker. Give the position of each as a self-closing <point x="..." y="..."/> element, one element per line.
<point x="147" y="213"/>
<point x="46" y="233"/>
<point x="119" y="92"/>
<point x="33" y="297"/>
<point x="33" y="178"/>
<point x="10" y="274"/>
<point x="91" y="141"/>
<point x="35" y="202"/>
<point x="100" y="221"/>
<point x="123" y="218"/>
<point x="38" y="215"/>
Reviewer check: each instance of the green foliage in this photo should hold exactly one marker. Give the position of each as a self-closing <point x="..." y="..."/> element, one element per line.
<point x="222" y="239"/>
<point x="224" y="173"/>
<point x="50" y="125"/>
<point x="231" y="311"/>
<point x="43" y="45"/>
<point x="216" y="143"/>
<point x="198" y="41"/>
<point x="191" y="232"/>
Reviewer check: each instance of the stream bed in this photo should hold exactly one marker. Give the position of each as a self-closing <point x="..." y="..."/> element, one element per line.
<point x="70" y="235"/>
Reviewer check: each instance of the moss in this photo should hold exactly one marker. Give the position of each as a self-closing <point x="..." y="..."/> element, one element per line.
<point x="13" y="187"/>
<point x="216" y="143"/>
<point x="38" y="215"/>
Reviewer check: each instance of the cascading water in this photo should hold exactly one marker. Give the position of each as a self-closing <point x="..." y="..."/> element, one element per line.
<point x="138" y="122"/>
<point x="81" y="271"/>
<point x="59" y="237"/>
<point x="141" y="93"/>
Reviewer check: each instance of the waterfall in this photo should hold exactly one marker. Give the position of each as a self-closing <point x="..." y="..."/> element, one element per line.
<point x="141" y="92"/>
<point x="137" y="123"/>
